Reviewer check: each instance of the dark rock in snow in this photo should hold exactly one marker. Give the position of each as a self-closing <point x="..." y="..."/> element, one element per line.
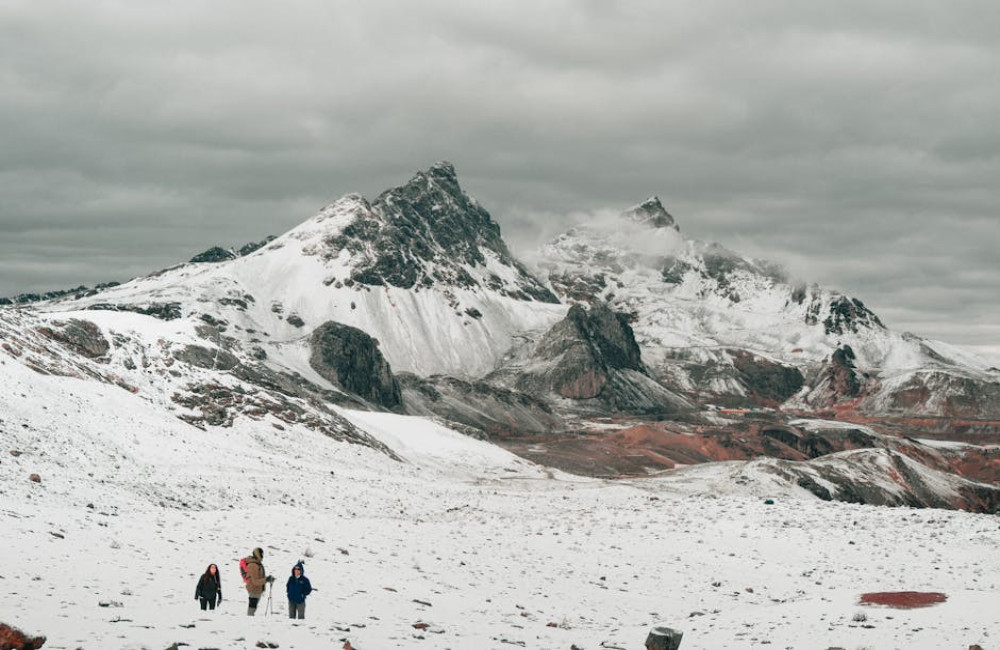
<point x="163" y="311"/>
<point x="12" y="638"/>
<point x="663" y="638"/>
<point x="213" y="255"/>
<point x="81" y="336"/>
<point x="591" y="355"/>
<point x="850" y="315"/>
<point x="651" y="212"/>
<point x="767" y="380"/>
<point x="427" y="232"/>
<point x="350" y="358"/>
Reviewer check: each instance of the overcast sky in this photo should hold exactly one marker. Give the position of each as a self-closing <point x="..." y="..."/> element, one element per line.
<point x="856" y="142"/>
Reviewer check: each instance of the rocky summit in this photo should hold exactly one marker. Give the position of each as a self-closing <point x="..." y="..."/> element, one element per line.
<point x="630" y="349"/>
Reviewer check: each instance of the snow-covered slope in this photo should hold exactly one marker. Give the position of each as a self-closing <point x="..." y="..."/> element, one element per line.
<point x="457" y="544"/>
<point x="422" y="269"/>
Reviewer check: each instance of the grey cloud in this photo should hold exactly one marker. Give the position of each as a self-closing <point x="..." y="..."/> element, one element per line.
<point x="855" y="141"/>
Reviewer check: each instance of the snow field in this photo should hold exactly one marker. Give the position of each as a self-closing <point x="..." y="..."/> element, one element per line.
<point x="478" y="544"/>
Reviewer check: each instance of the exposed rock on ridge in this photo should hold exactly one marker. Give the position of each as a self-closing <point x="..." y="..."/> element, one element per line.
<point x="349" y="358"/>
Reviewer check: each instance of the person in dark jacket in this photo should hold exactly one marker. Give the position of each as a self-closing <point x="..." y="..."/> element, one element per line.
<point x="297" y="588"/>
<point x="209" y="589"/>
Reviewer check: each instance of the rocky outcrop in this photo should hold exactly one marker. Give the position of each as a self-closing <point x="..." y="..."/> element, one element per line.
<point x="843" y="315"/>
<point x="213" y="255"/>
<point x="217" y="254"/>
<point x="81" y="336"/>
<point x="651" y="213"/>
<point x="767" y="381"/>
<point x="839" y="380"/>
<point x="429" y="232"/>
<point x="161" y="310"/>
<point x="586" y="346"/>
<point x="15" y="639"/>
<point x="589" y="356"/>
<point x="350" y="359"/>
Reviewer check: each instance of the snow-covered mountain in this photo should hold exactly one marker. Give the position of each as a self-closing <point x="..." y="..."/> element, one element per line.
<point x="412" y="303"/>
<point x="422" y="269"/>
<point x="736" y="330"/>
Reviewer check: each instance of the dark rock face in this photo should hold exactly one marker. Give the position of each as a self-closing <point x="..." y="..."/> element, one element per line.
<point x="651" y="212"/>
<point x="839" y="380"/>
<point x="350" y="358"/>
<point x="767" y="380"/>
<point x="216" y="254"/>
<point x="213" y="255"/>
<point x="81" y="336"/>
<point x="588" y="345"/>
<point x="251" y="247"/>
<point x="590" y="357"/>
<point x="161" y="310"/>
<point x="425" y="233"/>
<point x="15" y="639"/>
<point x="845" y="315"/>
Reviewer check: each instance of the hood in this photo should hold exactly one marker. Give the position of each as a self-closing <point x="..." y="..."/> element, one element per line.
<point x="300" y="567"/>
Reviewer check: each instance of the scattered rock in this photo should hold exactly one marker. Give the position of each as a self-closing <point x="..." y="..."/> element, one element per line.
<point x="35" y="478"/>
<point x="663" y="638"/>
<point x="15" y="639"/>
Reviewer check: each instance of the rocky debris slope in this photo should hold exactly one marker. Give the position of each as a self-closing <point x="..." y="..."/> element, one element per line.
<point x="193" y="373"/>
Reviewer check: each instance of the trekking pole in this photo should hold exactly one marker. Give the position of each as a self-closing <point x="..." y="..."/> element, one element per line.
<point x="269" y="609"/>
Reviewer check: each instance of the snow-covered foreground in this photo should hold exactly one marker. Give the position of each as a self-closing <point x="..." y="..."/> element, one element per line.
<point x="488" y="550"/>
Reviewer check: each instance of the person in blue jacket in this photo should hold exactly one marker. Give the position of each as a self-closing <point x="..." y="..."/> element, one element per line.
<point x="298" y="588"/>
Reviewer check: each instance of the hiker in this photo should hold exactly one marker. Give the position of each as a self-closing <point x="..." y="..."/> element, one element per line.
<point x="254" y="577"/>
<point x="297" y="588"/>
<point x="209" y="589"/>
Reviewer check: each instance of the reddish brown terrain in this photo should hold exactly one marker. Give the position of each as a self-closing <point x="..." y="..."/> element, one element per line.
<point x="903" y="599"/>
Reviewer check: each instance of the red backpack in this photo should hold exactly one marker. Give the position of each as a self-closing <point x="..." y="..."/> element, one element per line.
<point x="243" y="570"/>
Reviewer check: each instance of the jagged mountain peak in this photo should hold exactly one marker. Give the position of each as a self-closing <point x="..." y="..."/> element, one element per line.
<point x="651" y="213"/>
